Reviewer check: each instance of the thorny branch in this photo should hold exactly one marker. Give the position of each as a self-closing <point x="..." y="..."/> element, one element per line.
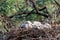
<point x="35" y="10"/>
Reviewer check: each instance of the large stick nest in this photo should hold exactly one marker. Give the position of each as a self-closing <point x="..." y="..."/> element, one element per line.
<point x="35" y="34"/>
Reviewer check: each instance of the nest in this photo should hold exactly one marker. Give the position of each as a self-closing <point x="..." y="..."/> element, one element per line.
<point x="35" y="34"/>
